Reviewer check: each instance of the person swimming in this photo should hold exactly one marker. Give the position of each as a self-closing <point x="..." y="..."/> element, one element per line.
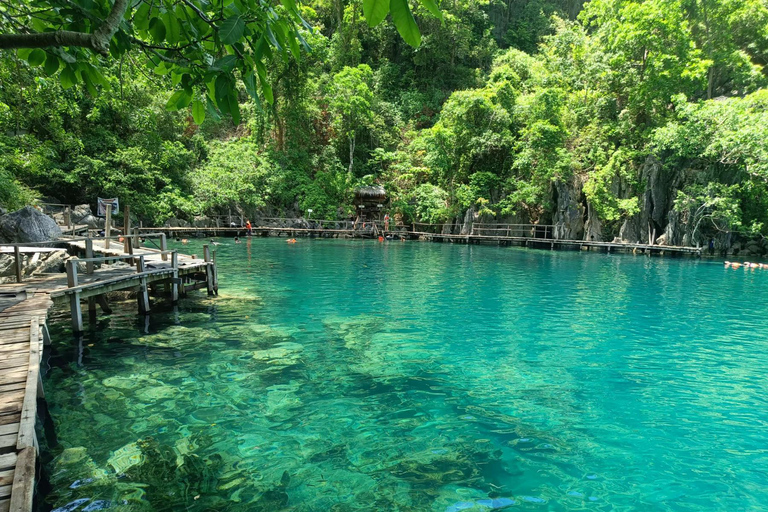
<point x="214" y="243"/>
<point x="291" y="241"/>
<point x="237" y="239"/>
<point x="184" y="241"/>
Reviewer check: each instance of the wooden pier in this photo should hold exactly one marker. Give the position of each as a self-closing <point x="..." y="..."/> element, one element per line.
<point x="537" y="236"/>
<point x="24" y="308"/>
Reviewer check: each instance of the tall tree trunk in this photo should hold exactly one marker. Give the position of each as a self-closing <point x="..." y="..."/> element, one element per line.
<point x="351" y="153"/>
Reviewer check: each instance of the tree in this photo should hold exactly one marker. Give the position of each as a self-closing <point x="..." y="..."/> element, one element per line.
<point x="204" y="45"/>
<point x="350" y="100"/>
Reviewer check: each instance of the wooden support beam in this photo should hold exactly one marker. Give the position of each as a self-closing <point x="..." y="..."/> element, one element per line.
<point x="208" y="268"/>
<point x="126" y="221"/>
<point x="74" y="299"/>
<point x="23" y="489"/>
<point x="108" y="225"/>
<point x="163" y="246"/>
<point x="101" y="300"/>
<point x="26" y="436"/>
<point x="92" y="309"/>
<point x="215" y="275"/>
<point x="175" y="278"/>
<point x="89" y="254"/>
<point x="17" y="262"/>
<point x="143" y="296"/>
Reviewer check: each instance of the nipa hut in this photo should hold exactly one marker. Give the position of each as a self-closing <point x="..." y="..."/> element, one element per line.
<point x="370" y="202"/>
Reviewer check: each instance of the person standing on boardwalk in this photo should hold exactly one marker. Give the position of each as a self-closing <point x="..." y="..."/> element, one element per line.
<point x="248" y="227"/>
<point x="386" y="222"/>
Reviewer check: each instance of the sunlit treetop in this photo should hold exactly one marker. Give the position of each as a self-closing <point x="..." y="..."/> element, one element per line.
<point x="204" y="45"/>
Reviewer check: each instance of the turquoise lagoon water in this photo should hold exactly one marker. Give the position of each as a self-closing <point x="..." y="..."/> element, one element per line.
<point x="357" y="376"/>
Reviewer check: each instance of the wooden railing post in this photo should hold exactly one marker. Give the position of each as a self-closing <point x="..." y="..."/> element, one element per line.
<point x="163" y="246"/>
<point x="208" y="268"/>
<point x="74" y="298"/>
<point x="215" y="275"/>
<point x="143" y="296"/>
<point x="88" y="255"/>
<point x="18" y="262"/>
<point x="108" y="226"/>
<point x="175" y="278"/>
<point x="126" y="221"/>
<point x="136" y="239"/>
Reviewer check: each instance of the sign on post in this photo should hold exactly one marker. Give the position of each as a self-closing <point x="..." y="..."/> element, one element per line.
<point x="101" y="210"/>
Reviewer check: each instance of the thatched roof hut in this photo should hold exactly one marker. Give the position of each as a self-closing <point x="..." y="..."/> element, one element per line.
<point x="371" y="194"/>
<point x="369" y="201"/>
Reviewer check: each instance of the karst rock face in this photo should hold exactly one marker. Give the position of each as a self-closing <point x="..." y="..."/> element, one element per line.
<point x="28" y="225"/>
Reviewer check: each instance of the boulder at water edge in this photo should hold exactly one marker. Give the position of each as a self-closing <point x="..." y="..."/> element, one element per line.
<point x="27" y="225"/>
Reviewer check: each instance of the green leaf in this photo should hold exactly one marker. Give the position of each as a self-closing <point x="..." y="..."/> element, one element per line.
<point x="294" y="45"/>
<point x="250" y="86"/>
<point x="226" y="63"/>
<point x="211" y="108"/>
<point x="68" y="77"/>
<point x="157" y="29"/>
<point x="172" y="28"/>
<point x="95" y="76"/>
<point x="36" y="57"/>
<point x="234" y="108"/>
<point x="375" y="11"/>
<point x="432" y="7"/>
<point x="290" y="5"/>
<point x="174" y="100"/>
<point x="51" y="65"/>
<point x="222" y="88"/>
<point x="89" y="85"/>
<point x="141" y="17"/>
<point x="231" y="30"/>
<point x="179" y="99"/>
<point x="404" y="22"/>
<point x="198" y="112"/>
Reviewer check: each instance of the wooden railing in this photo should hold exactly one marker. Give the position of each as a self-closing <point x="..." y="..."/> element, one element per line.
<point x="514" y="230"/>
<point x="129" y="243"/>
<point x="74" y="288"/>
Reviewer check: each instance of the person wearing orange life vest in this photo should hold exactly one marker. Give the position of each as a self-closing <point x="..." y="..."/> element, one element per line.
<point x="248" y="227"/>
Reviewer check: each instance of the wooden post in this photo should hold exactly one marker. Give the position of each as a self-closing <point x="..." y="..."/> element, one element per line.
<point x="143" y="295"/>
<point x="68" y="217"/>
<point x="108" y="225"/>
<point x="136" y="239"/>
<point x="126" y="221"/>
<point x="18" y="262"/>
<point x="88" y="255"/>
<point x="175" y="279"/>
<point x="92" y="308"/>
<point x="215" y="275"/>
<point x="74" y="298"/>
<point x="208" y="268"/>
<point x="127" y="248"/>
<point x="163" y="246"/>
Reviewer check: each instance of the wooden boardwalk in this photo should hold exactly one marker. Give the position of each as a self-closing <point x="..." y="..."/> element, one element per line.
<point x="527" y="235"/>
<point x="24" y="308"/>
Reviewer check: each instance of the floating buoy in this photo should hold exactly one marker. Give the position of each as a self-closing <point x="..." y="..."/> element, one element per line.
<point x="381" y="239"/>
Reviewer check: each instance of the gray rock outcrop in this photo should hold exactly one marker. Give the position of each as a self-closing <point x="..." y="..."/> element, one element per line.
<point x="28" y="225"/>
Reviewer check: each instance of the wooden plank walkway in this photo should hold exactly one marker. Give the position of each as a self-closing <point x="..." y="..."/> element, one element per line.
<point x="541" y="242"/>
<point x="24" y="311"/>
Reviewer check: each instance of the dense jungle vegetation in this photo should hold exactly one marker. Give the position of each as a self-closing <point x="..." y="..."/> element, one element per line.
<point x="612" y="117"/>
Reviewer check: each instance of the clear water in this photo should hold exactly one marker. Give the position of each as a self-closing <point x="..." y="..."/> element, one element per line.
<point x="358" y="376"/>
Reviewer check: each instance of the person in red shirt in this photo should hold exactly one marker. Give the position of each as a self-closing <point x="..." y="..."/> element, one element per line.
<point x="248" y="227"/>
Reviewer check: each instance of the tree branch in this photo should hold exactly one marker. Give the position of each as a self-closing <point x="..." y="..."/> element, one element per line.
<point x="98" y="41"/>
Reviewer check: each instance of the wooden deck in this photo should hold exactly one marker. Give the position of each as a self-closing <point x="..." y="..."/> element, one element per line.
<point x="24" y="308"/>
